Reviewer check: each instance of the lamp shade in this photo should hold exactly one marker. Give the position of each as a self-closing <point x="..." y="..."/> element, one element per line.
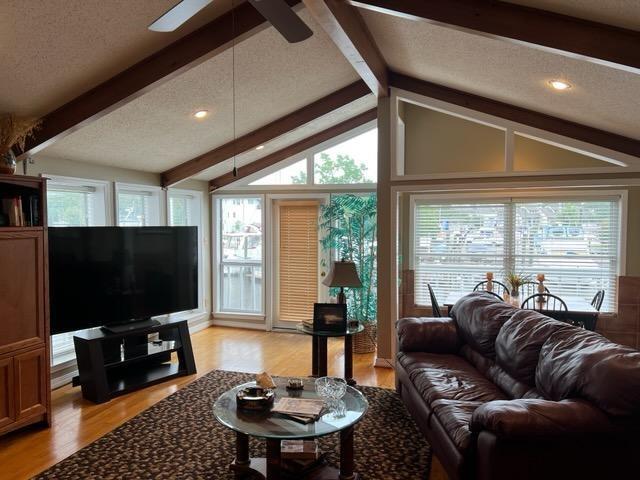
<point x="343" y="274"/>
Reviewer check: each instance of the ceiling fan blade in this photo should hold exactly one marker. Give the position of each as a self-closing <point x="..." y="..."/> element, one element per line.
<point x="179" y="14"/>
<point x="284" y="19"/>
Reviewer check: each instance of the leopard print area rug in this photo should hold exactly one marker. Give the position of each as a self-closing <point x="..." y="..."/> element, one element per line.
<point x="178" y="438"/>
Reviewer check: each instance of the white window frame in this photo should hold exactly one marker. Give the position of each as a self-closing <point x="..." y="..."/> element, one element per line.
<point x="507" y="196"/>
<point x="102" y="208"/>
<point x="612" y="161"/>
<point x="103" y="217"/>
<point x="309" y="155"/>
<point x="157" y="207"/>
<point x="216" y="250"/>
<point x="196" y="197"/>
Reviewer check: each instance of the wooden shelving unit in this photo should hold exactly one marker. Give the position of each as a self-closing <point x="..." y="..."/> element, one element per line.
<point x="25" y="387"/>
<point x="112" y="364"/>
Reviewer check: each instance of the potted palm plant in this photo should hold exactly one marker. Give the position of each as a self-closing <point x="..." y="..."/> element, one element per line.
<point x="14" y="132"/>
<point x="350" y="224"/>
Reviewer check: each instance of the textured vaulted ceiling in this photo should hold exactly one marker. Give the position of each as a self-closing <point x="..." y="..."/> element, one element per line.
<point x="601" y="97"/>
<point x="51" y="51"/>
<point x="156" y="131"/>
<point x="322" y="123"/>
<point x="621" y="13"/>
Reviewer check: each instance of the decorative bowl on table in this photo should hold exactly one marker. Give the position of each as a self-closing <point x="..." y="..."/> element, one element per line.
<point x="255" y="398"/>
<point x="331" y="388"/>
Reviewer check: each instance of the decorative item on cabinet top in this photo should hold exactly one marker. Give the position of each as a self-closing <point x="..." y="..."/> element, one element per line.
<point x="14" y="131"/>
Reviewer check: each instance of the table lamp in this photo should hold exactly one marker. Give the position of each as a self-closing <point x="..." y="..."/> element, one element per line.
<point x="342" y="274"/>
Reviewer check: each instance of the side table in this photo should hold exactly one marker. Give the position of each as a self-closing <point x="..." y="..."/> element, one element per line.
<point x="319" y="350"/>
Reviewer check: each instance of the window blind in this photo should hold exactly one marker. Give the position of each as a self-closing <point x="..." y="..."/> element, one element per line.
<point x="69" y="206"/>
<point x="180" y="207"/>
<point x="298" y="260"/>
<point x="455" y="245"/>
<point x="133" y="209"/>
<point x="574" y="243"/>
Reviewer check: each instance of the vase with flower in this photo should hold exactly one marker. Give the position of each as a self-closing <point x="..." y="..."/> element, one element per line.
<point x="515" y="281"/>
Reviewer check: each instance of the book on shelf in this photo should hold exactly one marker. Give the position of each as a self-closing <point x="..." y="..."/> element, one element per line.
<point x="299" y="449"/>
<point x="12" y="209"/>
<point x="301" y="467"/>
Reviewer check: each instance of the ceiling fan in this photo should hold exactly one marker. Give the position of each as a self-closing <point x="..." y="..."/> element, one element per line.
<point x="276" y="12"/>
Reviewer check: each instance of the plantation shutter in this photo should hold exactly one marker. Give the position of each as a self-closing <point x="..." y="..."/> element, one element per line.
<point x="298" y="260"/>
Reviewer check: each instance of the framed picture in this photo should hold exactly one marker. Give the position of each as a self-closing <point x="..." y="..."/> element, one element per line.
<point x="330" y="317"/>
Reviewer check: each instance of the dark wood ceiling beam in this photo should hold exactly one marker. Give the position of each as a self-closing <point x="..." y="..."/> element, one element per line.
<point x="270" y="131"/>
<point x="294" y="149"/>
<point x="521" y="115"/>
<point x="171" y="61"/>
<point x="595" y="42"/>
<point x="347" y="29"/>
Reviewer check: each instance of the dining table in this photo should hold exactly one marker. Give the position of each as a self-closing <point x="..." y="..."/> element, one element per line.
<point x="578" y="309"/>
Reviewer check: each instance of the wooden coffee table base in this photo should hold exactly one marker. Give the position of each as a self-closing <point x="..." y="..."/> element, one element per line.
<point x="269" y="468"/>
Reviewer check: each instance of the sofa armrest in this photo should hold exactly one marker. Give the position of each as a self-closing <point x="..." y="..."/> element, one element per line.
<point x="530" y="418"/>
<point x="434" y="335"/>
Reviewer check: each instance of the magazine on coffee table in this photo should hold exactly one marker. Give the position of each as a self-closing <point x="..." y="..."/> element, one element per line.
<point x="299" y="407"/>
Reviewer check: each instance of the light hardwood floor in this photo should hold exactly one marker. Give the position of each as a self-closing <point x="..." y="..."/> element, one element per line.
<point x="77" y="423"/>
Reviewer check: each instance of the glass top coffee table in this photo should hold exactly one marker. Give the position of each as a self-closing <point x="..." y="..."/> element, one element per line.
<point x="342" y="418"/>
<point x="319" y="350"/>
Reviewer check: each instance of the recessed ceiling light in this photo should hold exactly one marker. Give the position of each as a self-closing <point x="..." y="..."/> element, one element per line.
<point x="259" y="147"/>
<point x="559" y="85"/>
<point x="201" y="113"/>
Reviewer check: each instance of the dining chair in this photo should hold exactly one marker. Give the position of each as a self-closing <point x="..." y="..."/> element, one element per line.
<point x="544" y="302"/>
<point x="499" y="289"/>
<point x="530" y="288"/>
<point x="435" y="307"/>
<point x="597" y="300"/>
<point x="494" y="294"/>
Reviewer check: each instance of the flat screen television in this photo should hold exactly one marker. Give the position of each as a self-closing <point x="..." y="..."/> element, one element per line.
<point x="109" y="276"/>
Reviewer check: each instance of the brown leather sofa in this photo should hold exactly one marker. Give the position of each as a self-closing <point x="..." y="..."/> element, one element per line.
<point x="502" y="393"/>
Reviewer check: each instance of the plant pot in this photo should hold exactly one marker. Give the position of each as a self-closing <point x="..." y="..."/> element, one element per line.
<point x="366" y="341"/>
<point x="8" y="163"/>
<point x="514" y="298"/>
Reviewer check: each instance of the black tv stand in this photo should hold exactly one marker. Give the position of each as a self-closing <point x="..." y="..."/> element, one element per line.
<point x="131" y="326"/>
<point x="114" y="363"/>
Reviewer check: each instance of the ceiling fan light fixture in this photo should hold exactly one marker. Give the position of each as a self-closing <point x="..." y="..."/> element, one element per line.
<point x="200" y="114"/>
<point x="177" y="15"/>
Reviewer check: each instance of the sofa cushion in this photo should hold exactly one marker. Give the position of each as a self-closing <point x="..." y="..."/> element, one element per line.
<point x="541" y="418"/>
<point x="479" y="317"/>
<point x="436" y="335"/>
<point x="455" y="417"/>
<point x="496" y="374"/>
<point x="579" y="363"/>
<point x="448" y="377"/>
<point x="520" y="340"/>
